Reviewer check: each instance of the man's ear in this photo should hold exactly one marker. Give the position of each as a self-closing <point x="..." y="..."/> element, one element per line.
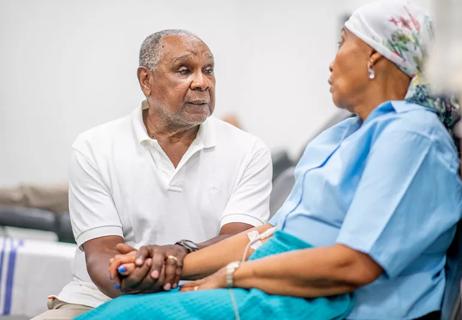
<point x="144" y="78"/>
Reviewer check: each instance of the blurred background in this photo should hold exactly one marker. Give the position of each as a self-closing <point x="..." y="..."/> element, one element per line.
<point x="67" y="66"/>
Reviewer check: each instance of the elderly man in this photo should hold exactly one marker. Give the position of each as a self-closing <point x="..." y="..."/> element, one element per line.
<point x="167" y="174"/>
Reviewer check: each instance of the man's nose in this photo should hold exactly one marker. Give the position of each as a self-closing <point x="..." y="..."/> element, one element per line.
<point x="200" y="81"/>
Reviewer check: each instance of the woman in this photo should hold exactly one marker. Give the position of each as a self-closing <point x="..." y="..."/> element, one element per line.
<point x="372" y="212"/>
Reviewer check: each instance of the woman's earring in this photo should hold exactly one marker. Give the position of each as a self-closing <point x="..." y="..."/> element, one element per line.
<point x="371" y="73"/>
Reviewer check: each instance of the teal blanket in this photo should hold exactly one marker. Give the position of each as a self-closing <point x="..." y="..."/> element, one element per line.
<point x="235" y="303"/>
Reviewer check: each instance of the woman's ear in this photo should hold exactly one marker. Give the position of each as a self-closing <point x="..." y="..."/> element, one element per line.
<point x="374" y="57"/>
<point x="144" y="77"/>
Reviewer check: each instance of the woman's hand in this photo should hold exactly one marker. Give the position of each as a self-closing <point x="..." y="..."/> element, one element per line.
<point x="214" y="281"/>
<point x="125" y="260"/>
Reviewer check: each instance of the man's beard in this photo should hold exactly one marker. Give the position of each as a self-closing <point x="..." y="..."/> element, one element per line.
<point x="180" y="120"/>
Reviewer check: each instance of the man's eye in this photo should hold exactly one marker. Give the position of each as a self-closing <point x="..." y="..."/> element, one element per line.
<point x="208" y="70"/>
<point x="183" y="70"/>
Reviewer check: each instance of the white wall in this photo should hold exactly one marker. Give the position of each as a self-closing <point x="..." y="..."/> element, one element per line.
<point x="66" y="66"/>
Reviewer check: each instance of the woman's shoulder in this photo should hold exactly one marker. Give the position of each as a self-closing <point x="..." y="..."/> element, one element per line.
<point x="410" y="118"/>
<point x="412" y="122"/>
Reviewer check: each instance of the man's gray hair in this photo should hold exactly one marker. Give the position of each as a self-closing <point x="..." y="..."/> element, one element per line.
<point x="150" y="48"/>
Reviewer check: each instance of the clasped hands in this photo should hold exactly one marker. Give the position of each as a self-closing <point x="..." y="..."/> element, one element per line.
<point x="152" y="268"/>
<point x="155" y="268"/>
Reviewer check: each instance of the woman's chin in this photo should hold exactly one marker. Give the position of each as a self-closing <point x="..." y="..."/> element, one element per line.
<point x="338" y="102"/>
<point x="335" y="100"/>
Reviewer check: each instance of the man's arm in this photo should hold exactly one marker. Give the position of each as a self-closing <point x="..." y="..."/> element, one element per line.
<point x="98" y="253"/>
<point x="95" y="221"/>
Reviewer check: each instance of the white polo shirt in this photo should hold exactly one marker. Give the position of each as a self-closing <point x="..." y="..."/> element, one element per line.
<point x="122" y="183"/>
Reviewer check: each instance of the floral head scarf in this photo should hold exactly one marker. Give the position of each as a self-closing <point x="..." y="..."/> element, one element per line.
<point x="402" y="31"/>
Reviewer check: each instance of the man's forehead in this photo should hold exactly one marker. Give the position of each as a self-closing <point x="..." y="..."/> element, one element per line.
<point x="175" y="47"/>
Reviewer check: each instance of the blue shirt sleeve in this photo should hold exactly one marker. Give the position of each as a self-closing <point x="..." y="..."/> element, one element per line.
<point x="406" y="201"/>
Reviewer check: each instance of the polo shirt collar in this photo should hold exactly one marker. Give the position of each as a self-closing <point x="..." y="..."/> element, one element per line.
<point x="205" y="136"/>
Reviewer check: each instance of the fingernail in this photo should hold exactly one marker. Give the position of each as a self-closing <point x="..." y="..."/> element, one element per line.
<point x="175" y="285"/>
<point x="117" y="286"/>
<point x="167" y="287"/>
<point x="139" y="261"/>
<point x="122" y="269"/>
<point x="155" y="274"/>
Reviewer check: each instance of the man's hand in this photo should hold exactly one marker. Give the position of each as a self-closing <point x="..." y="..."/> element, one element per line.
<point x="167" y="263"/>
<point x="149" y="269"/>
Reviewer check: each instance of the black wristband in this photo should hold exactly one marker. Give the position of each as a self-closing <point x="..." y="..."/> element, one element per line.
<point x="189" y="245"/>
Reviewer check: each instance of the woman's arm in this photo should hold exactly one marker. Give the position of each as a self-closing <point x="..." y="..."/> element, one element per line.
<point x="212" y="258"/>
<point x="313" y="272"/>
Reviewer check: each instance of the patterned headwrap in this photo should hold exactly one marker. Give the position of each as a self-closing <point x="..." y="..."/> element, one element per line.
<point x="401" y="31"/>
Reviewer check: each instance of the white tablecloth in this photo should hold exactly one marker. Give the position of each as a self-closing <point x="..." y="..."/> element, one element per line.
<point x="30" y="270"/>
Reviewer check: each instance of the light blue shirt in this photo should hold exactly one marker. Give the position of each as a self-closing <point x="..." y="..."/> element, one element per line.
<point x="388" y="187"/>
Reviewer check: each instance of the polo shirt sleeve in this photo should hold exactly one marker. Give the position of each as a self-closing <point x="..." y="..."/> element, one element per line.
<point x="408" y="198"/>
<point x="91" y="207"/>
<point x="249" y="201"/>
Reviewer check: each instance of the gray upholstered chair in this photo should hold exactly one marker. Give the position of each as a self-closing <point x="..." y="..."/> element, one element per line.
<point x="38" y="219"/>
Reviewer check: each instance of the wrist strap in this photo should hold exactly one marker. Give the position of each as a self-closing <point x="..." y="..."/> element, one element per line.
<point x="230" y="269"/>
<point x="189" y="245"/>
